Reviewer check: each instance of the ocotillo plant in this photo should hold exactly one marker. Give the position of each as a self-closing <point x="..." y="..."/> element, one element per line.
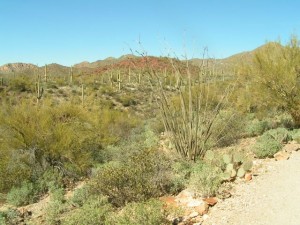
<point x="192" y="123"/>
<point x="1" y="81"/>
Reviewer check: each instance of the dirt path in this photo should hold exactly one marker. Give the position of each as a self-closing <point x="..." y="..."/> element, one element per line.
<point x="272" y="198"/>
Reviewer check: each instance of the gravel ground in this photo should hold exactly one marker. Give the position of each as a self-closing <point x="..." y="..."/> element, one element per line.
<point x="272" y="198"/>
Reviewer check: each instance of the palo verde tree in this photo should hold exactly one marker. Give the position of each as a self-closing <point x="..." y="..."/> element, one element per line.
<point x="275" y="76"/>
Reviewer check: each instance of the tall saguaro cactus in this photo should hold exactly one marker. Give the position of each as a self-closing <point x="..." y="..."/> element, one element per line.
<point x="82" y="94"/>
<point x="119" y="80"/>
<point x="71" y="74"/>
<point x="39" y="90"/>
<point x="46" y="75"/>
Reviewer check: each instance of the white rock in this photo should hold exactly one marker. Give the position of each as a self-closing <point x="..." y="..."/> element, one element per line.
<point x="194" y="203"/>
<point x="205" y="217"/>
<point x="194" y="214"/>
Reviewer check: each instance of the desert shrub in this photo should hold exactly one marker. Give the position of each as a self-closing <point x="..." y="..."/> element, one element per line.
<point x="49" y="180"/>
<point x="146" y="213"/>
<point x="39" y="138"/>
<point x="181" y="171"/>
<point x="141" y="137"/>
<point x="228" y="128"/>
<point x="280" y="134"/>
<point x="295" y="134"/>
<point x="257" y="127"/>
<point x="13" y="168"/>
<point x="93" y="212"/>
<point x="9" y="217"/>
<point x="127" y="100"/>
<point x="21" y="84"/>
<point x="23" y="195"/>
<point x="143" y="176"/>
<point x="55" y="207"/>
<point x="285" y="120"/>
<point x="113" y="125"/>
<point x="267" y="146"/>
<point x="205" y="179"/>
<point x="81" y="195"/>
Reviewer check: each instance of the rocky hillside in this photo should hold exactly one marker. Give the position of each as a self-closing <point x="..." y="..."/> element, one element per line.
<point x="17" y="67"/>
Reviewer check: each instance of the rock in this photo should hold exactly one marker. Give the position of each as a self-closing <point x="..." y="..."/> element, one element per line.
<point x="205" y="217"/>
<point x="202" y="209"/>
<point x="169" y="201"/>
<point x="186" y="194"/>
<point x="211" y="201"/>
<point x="248" y="176"/>
<point x="282" y="155"/>
<point x="291" y="147"/>
<point x="194" y="203"/>
<point x="193" y="214"/>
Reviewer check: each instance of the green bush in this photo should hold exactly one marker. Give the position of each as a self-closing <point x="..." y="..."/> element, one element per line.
<point x="181" y="171"/>
<point x="81" y="195"/>
<point x="295" y="134"/>
<point x="55" y="206"/>
<point x="9" y="217"/>
<point x="280" y="134"/>
<point x="51" y="179"/>
<point x="143" y="176"/>
<point x="146" y="213"/>
<point x="93" y="212"/>
<point x="257" y="127"/>
<point x="206" y="179"/>
<point x="23" y="195"/>
<point x="127" y="100"/>
<point x="228" y="128"/>
<point x="267" y="146"/>
<point x="285" y="120"/>
<point x="21" y="84"/>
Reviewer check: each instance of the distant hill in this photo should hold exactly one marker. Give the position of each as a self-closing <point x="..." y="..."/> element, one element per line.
<point x="231" y="61"/>
<point x="134" y="62"/>
<point x="17" y="67"/>
<point x="105" y="62"/>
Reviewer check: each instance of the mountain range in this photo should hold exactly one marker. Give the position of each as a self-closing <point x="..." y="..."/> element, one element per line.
<point x="125" y="61"/>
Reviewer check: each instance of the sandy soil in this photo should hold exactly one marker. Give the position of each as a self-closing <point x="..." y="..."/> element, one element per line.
<point x="272" y="198"/>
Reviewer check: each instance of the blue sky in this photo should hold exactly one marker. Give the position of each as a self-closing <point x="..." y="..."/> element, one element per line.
<point x="71" y="31"/>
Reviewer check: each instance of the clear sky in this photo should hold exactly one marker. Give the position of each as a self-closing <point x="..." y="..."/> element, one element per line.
<point x="71" y="31"/>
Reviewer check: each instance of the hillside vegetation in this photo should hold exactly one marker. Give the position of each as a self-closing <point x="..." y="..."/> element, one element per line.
<point x="138" y="128"/>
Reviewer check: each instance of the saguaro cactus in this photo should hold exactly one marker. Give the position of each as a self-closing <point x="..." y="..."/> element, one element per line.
<point x="46" y="75"/>
<point x="119" y="80"/>
<point x="71" y="74"/>
<point x="82" y="94"/>
<point x="129" y="75"/>
<point x="39" y="90"/>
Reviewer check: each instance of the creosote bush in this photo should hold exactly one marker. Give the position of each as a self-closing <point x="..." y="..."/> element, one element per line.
<point x="93" y="212"/>
<point x="145" y="175"/>
<point x="146" y="213"/>
<point x="23" y="195"/>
